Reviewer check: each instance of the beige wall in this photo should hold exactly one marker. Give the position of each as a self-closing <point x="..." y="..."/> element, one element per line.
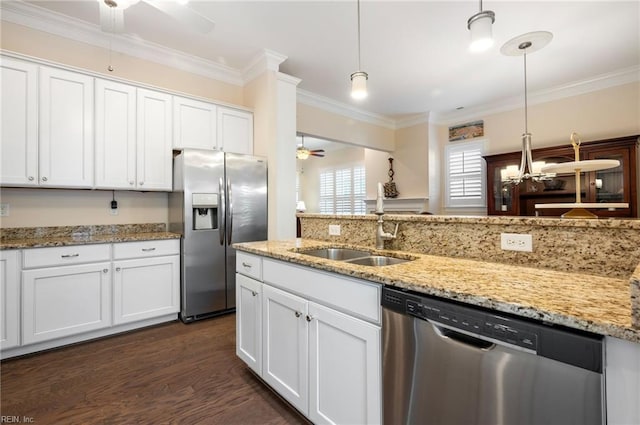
<point x="59" y="207"/>
<point x="329" y="125"/>
<point x="27" y="41"/>
<point x="411" y="161"/>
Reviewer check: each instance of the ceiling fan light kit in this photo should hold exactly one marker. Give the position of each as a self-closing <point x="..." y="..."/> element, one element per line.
<point x="480" y="26"/>
<point x="304" y="153"/>
<point x="359" y="78"/>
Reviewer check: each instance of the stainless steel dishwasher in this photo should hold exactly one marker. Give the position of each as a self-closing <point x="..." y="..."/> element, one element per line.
<point x="445" y="363"/>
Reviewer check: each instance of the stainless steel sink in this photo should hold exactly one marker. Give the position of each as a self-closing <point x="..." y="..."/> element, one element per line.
<point x="339" y="254"/>
<point x="377" y="261"/>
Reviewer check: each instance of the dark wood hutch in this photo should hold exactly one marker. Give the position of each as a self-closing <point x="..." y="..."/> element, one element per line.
<point x="612" y="185"/>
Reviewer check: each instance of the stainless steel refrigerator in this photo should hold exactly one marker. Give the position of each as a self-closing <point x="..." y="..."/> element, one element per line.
<point x="218" y="199"/>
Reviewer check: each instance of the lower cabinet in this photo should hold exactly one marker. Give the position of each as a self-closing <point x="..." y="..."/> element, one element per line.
<point x="145" y="288"/>
<point x="64" y="301"/>
<point x="323" y="360"/>
<point x="9" y="299"/>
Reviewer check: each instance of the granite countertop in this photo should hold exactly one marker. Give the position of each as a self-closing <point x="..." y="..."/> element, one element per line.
<point x="592" y="303"/>
<point x="41" y="237"/>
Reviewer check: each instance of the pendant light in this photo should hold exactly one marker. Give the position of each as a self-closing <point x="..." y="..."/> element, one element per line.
<point x="359" y="78"/>
<point x="522" y="46"/>
<point x="480" y="27"/>
<point x="120" y="4"/>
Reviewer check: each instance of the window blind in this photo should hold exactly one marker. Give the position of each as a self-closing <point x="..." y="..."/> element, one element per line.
<point x="465" y="175"/>
<point x="342" y="190"/>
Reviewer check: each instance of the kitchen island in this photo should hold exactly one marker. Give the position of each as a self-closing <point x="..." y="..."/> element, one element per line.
<point x="584" y="302"/>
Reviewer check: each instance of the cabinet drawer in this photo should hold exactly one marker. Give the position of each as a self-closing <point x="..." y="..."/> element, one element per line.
<point x="145" y="249"/>
<point x="249" y="265"/>
<point x="64" y="255"/>
<point x="352" y="296"/>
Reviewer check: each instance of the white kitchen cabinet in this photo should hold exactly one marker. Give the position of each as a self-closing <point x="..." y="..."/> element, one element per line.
<point x="146" y="280"/>
<point x="194" y="124"/>
<point x="9" y="299"/>
<point x="285" y="346"/>
<point x="115" y="135"/>
<point x="66" y="300"/>
<point x="235" y="131"/>
<point x="65" y="157"/>
<point x="344" y="368"/>
<point x="18" y="123"/>
<point x="154" y="154"/>
<point x="133" y="137"/>
<point x="249" y="321"/>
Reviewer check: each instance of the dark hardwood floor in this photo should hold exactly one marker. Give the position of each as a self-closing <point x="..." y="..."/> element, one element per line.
<point x="168" y="374"/>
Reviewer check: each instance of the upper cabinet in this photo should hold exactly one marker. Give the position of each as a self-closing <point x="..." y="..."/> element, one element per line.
<point x="66" y="129"/>
<point x="235" y="131"/>
<point x="612" y="185"/>
<point x="133" y="137"/>
<point x="194" y="124"/>
<point x="19" y="123"/>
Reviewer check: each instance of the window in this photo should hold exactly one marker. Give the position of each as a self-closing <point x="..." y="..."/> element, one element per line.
<point x="465" y="174"/>
<point x="342" y="190"/>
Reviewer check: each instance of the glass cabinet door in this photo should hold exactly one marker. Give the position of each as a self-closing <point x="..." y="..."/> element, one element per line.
<point x="609" y="185"/>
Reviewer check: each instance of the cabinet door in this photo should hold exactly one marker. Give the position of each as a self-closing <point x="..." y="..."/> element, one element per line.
<point x="64" y="301"/>
<point x="154" y="152"/>
<point x="344" y="368"/>
<point x="235" y="131"/>
<point x="146" y="288"/>
<point x="115" y="135"/>
<point x="194" y="124"/>
<point x="9" y="299"/>
<point x="249" y="322"/>
<point x="66" y="129"/>
<point x="18" y="123"/>
<point x="612" y="184"/>
<point x="285" y="350"/>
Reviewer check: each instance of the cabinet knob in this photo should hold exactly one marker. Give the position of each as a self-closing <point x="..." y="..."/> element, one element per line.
<point x="254" y="293"/>
<point x="141" y="183"/>
<point x="131" y="182"/>
<point x="309" y="318"/>
<point x="44" y="179"/>
<point x="105" y="270"/>
<point x="298" y="314"/>
<point x="117" y="269"/>
<point x="30" y="178"/>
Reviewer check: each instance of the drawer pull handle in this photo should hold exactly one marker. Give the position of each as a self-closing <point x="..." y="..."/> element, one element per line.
<point x="148" y="249"/>
<point x="254" y="293"/>
<point x="70" y="255"/>
<point x="298" y="314"/>
<point x="247" y="265"/>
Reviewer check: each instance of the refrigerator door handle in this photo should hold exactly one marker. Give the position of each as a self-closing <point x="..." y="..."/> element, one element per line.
<point x="230" y="212"/>
<point x="221" y="202"/>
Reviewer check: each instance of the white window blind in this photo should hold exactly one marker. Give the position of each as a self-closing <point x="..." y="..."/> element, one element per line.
<point x="342" y="190"/>
<point x="465" y="174"/>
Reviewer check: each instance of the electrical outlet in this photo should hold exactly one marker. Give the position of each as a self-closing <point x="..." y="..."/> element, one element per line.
<point x="4" y="210"/>
<point x="334" y="230"/>
<point x="516" y="242"/>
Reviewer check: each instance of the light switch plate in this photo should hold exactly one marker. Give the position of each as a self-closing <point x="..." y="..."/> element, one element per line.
<point x="4" y="210"/>
<point x="334" y="230"/>
<point x="516" y="242"/>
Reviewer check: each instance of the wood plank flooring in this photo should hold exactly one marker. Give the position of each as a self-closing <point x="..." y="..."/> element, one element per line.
<point x="168" y="374"/>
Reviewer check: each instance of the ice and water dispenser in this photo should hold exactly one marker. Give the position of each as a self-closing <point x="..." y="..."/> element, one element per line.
<point x="205" y="211"/>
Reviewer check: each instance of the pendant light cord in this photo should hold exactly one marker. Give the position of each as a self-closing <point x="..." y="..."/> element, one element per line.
<point x="359" y="69"/>
<point x="526" y="112"/>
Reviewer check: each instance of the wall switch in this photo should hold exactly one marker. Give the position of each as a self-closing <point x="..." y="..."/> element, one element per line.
<point x="516" y="242"/>
<point x="334" y="230"/>
<point x="4" y="210"/>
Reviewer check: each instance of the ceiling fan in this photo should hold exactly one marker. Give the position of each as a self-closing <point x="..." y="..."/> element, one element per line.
<point x="304" y="153"/>
<point x="112" y="14"/>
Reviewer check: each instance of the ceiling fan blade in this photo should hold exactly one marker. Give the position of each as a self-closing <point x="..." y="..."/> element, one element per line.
<point x="111" y="18"/>
<point x="321" y="155"/>
<point x="184" y="14"/>
<point x="317" y="150"/>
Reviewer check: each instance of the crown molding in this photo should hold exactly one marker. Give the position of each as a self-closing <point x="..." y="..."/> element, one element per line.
<point x="576" y="88"/>
<point x="412" y="120"/>
<point x="286" y="78"/>
<point x="267" y="60"/>
<point x="330" y="105"/>
<point x="41" y="19"/>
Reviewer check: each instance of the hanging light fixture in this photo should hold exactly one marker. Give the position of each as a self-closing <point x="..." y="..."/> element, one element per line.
<point x="359" y="78"/>
<point x="480" y="27"/>
<point x="120" y="4"/>
<point x="522" y="46"/>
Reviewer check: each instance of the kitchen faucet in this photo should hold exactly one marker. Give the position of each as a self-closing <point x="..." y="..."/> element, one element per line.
<point x="381" y="235"/>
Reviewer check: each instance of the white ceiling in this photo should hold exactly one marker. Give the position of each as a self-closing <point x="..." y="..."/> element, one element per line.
<point x="416" y="53"/>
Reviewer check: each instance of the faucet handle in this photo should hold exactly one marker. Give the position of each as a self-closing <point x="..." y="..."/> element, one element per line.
<point x="395" y="232"/>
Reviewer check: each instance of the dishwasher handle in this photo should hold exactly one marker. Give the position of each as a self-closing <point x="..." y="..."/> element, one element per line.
<point x="462" y="338"/>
